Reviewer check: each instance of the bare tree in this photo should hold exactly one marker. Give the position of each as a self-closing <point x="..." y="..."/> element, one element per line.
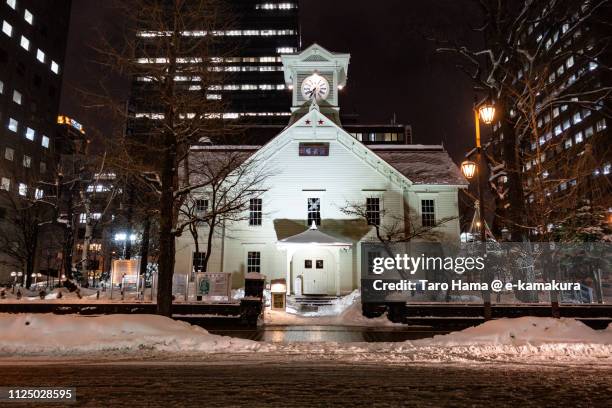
<point x="526" y="76"/>
<point x="20" y="236"/>
<point x="172" y="52"/>
<point x="229" y="179"/>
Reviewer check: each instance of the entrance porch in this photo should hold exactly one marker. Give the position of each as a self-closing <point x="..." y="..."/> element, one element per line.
<point x="313" y="262"/>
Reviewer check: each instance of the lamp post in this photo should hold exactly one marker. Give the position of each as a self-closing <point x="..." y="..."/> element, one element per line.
<point x="14" y="275"/>
<point x="486" y="112"/>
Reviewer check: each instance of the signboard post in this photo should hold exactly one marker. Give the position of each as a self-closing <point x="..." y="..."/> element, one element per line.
<point x="213" y="286"/>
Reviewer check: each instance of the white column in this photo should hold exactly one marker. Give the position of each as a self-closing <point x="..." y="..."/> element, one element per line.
<point x="290" y="252"/>
<point x="337" y="254"/>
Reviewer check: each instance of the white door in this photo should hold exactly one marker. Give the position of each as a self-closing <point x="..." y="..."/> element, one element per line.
<point x="317" y="269"/>
<point x="315" y="276"/>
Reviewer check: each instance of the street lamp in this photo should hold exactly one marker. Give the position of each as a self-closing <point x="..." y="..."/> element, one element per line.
<point x="468" y="168"/>
<point x="487" y="112"/>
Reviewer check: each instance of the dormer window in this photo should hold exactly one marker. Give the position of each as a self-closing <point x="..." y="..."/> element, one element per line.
<point x="314" y="149"/>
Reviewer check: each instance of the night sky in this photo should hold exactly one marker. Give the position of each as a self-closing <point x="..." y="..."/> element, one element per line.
<point x="393" y="69"/>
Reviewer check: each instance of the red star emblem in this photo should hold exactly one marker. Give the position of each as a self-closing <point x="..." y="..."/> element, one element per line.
<point x="320" y="122"/>
<point x="307" y="121"/>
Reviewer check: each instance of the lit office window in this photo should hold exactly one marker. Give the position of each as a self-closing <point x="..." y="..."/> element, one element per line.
<point x="17" y="97"/>
<point x="25" y="43"/>
<point x="45" y="142"/>
<point x="9" y="154"/>
<point x="1" y="87"/>
<point x="23" y="189"/>
<point x="27" y="16"/>
<point x="6" y="184"/>
<point x="40" y="55"/>
<point x="7" y="29"/>
<point x="27" y="161"/>
<point x="54" y="67"/>
<point x="30" y="133"/>
<point x="38" y="194"/>
<point x="13" y="125"/>
<point x="12" y="4"/>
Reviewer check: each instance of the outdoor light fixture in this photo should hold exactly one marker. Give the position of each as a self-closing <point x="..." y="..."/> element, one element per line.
<point x="487" y="112"/>
<point x="468" y="168"/>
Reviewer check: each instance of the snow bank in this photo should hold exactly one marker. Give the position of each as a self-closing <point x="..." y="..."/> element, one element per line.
<point x="524" y="331"/>
<point x="31" y="334"/>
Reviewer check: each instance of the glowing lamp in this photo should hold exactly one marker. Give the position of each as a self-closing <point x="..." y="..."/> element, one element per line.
<point x="487" y="112"/>
<point x="468" y="168"/>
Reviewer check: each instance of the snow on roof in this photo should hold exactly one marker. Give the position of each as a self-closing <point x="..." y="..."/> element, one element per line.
<point x="422" y="164"/>
<point x="313" y="236"/>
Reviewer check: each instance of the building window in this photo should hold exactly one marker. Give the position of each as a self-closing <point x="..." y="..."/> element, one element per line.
<point x="25" y="43"/>
<point x="13" y="125"/>
<point x="578" y="137"/>
<point x="38" y="194"/>
<point x="7" y="29"/>
<point x="9" y="154"/>
<point x="82" y="218"/>
<point x="54" y="67"/>
<point x="6" y="184"/>
<point x="43" y="167"/>
<point x="44" y="142"/>
<point x="201" y="205"/>
<point x="12" y="4"/>
<point x="23" y="189"/>
<point x="27" y="161"/>
<point x="601" y="125"/>
<point x="198" y="261"/>
<point x="255" y="211"/>
<point x="314" y="211"/>
<point x="319" y="264"/>
<point x="30" y="134"/>
<point x="307" y="263"/>
<point x="428" y="213"/>
<point x="27" y="16"/>
<point x="1" y="87"/>
<point x="17" y="97"/>
<point x="373" y="210"/>
<point x="254" y="261"/>
<point x="314" y="149"/>
<point x="40" y="55"/>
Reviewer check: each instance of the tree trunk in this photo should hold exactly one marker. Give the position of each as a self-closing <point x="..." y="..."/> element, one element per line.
<point x="166" y="236"/>
<point x="144" y="247"/>
<point x="513" y="166"/>
<point x="211" y="229"/>
<point x="128" y="232"/>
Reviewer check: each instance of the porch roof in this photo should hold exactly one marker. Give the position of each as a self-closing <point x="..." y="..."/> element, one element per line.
<point x="313" y="236"/>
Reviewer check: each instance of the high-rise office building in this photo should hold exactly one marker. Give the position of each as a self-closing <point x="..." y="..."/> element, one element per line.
<point x="254" y="88"/>
<point x="32" y="48"/>
<point x="566" y="161"/>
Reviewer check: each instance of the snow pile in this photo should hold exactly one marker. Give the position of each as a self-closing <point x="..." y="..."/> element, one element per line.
<point x="31" y="334"/>
<point x="534" y="338"/>
<point x="522" y="331"/>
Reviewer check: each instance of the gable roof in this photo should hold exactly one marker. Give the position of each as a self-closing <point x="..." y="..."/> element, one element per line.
<point x="422" y="164"/>
<point x="402" y="164"/>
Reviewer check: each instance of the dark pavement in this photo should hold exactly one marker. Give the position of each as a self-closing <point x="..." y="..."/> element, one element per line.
<point x="317" y="333"/>
<point x="298" y="384"/>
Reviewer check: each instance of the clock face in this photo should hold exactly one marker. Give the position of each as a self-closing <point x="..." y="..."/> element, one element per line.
<point x="315" y="86"/>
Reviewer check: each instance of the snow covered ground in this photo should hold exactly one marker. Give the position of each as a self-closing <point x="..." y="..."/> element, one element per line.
<point x="344" y="311"/>
<point x="527" y="339"/>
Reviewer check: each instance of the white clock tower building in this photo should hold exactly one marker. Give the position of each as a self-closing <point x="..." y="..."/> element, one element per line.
<point x="316" y="74"/>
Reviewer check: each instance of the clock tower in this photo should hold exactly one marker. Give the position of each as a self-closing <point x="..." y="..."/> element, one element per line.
<point x="315" y="75"/>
